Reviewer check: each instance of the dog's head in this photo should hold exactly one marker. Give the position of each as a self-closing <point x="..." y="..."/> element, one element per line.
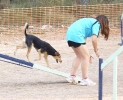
<point x="57" y="57"/>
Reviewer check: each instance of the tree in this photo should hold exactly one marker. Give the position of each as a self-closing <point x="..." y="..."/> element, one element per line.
<point x="80" y="2"/>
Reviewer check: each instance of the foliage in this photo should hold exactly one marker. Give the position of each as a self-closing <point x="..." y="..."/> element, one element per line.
<point x="50" y="3"/>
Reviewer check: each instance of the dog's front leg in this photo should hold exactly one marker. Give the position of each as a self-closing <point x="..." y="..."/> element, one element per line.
<point x="45" y="57"/>
<point x="39" y="52"/>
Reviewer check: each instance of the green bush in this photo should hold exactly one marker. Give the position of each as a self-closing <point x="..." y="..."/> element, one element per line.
<point x="50" y="3"/>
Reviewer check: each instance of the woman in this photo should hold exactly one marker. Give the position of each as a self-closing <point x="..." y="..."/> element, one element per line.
<point x="76" y="38"/>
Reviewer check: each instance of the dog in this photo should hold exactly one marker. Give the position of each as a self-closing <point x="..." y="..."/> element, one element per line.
<point x="41" y="47"/>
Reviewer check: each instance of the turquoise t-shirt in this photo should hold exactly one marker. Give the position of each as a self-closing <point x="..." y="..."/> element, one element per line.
<point x="81" y="29"/>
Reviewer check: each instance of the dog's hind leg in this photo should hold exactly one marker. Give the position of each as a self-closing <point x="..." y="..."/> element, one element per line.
<point x="39" y="52"/>
<point x="28" y="51"/>
<point x="20" y="46"/>
<point x="45" y="57"/>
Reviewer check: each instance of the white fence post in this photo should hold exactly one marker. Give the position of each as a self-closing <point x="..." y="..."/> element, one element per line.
<point x="113" y="57"/>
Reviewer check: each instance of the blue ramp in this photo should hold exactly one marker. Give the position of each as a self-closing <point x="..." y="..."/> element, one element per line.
<point x="23" y="63"/>
<point x="15" y="60"/>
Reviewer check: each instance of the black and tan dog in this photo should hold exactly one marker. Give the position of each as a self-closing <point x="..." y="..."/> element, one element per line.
<point x="41" y="46"/>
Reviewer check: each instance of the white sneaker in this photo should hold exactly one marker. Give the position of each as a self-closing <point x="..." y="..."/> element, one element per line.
<point x="72" y="79"/>
<point x="87" y="82"/>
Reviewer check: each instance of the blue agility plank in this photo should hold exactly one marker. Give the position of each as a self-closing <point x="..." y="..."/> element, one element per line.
<point x="50" y="70"/>
<point x="31" y="65"/>
<point x="36" y="66"/>
<point x="21" y="62"/>
<point x="8" y="61"/>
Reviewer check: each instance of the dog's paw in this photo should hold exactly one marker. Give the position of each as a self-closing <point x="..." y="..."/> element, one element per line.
<point x="49" y="67"/>
<point x="37" y="59"/>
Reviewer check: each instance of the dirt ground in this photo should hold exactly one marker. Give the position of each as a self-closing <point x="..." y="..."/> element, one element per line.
<point x="20" y="83"/>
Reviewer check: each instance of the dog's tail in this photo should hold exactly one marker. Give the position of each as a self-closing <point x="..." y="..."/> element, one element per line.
<point x="26" y="27"/>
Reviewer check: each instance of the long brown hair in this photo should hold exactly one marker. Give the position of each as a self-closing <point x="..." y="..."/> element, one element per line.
<point x="104" y="23"/>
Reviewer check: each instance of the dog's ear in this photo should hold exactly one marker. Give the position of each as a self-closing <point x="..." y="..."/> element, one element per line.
<point x="57" y="54"/>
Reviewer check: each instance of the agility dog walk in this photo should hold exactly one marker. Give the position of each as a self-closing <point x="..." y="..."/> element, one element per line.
<point x="23" y="63"/>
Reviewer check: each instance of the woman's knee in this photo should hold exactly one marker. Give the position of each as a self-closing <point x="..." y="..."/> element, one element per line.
<point x="80" y="58"/>
<point x="82" y="53"/>
<point x="85" y="58"/>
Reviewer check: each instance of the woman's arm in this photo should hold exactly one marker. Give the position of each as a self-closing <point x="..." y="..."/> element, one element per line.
<point x="95" y="44"/>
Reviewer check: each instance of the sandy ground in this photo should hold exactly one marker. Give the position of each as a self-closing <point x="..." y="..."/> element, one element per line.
<point x="20" y="83"/>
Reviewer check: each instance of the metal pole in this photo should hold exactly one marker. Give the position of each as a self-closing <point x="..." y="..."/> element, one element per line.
<point x="100" y="80"/>
<point x="121" y="33"/>
<point x="115" y="79"/>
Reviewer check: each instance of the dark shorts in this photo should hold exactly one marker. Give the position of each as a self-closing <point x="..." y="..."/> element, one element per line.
<point x="74" y="44"/>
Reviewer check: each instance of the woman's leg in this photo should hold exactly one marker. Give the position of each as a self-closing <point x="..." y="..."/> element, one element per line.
<point x="82" y="56"/>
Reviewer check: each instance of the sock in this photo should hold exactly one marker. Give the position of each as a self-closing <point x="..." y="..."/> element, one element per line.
<point x="73" y="75"/>
<point x="85" y="78"/>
